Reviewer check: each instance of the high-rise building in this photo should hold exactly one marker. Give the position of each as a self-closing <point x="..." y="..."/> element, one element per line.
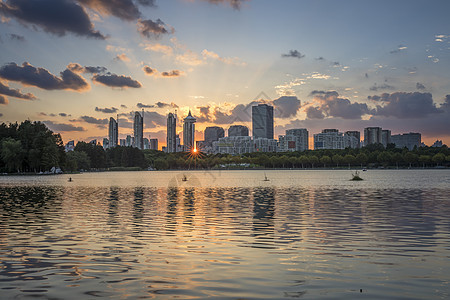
<point x="171" y="133"/>
<point x="70" y="146"/>
<point x="146" y="144"/>
<point x="213" y="134"/>
<point x="129" y="141"/>
<point x="178" y="146"/>
<point x="113" y="132"/>
<point x="106" y="143"/>
<point x="154" y="144"/>
<point x="302" y="135"/>
<point x="408" y="140"/>
<point x="123" y="142"/>
<point x="238" y="130"/>
<point x="189" y="132"/>
<point x="138" y="127"/>
<point x="262" y="121"/>
<point x="372" y="135"/>
<point x="234" y="145"/>
<point x="94" y="142"/>
<point x="333" y="139"/>
<point x="356" y="134"/>
<point x="385" y="137"/>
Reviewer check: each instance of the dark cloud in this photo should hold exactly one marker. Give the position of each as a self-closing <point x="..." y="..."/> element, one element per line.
<point x="58" y="17"/>
<point x="320" y="58"/>
<point x="77" y="68"/>
<point x="7" y="91"/>
<point x="286" y="106"/>
<point x="122" y="9"/>
<point x="173" y="73"/>
<point x="1" y="115"/>
<point x="157" y="105"/>
<point x="366" y="75"/>
<point x="123" y="106"/>
<point x="204" y="114"/>
<point x="40" y="77"/>
<point x="153" y="119"/>
<point x="3" y="100"/>
<point x="240" y="113"/>
<point x="293" y="53"/>
<point x="405" y="105"/>
<point x="446" y="105"/>
<point x="153" y="29"/>
<point x="101" y="123"/>
<point x="314" y="113"/>
<point x="114" y="80"/>
<point x="16" y="37"/>
<point x="62" y="127"/>
<point x="149" y="71"/>
<point x="63" y="115"/>
<point x="420" y="86"/>
<point x="106" y="110"/>
<point x="150" y="3"/>
<point x="383" y="86"/>
<point x="336" y="64"/>
<point x="331" y="105"/>
<point x="125" y="123"/>
<point x="236" y="4"/>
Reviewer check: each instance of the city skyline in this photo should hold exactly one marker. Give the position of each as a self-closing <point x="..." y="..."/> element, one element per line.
<point x="321" y="65"/>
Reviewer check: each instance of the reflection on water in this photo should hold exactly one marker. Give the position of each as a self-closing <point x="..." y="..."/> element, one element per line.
<point x="248" y="242"/>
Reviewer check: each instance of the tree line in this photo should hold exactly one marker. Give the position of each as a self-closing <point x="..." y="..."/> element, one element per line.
<point x="30" y="147"/>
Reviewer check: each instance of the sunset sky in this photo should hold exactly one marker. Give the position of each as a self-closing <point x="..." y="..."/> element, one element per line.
<point x="344" y="64"/>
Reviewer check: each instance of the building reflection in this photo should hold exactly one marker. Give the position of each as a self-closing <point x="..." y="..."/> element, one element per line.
<point x="263" y="211"/>
<point x="113" y="203"/>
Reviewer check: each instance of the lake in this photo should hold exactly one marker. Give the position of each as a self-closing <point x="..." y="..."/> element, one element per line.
<point x="227" y="235"/>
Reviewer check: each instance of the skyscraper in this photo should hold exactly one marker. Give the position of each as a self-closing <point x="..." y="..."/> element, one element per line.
<point x="138" y="127"/>
<point x="171" y="133"/>
<point x="189" y="132"/>
<point x="238" y="130"/>
<point x="113" y="133"/>
<point x="356" y="134"/>
<point x="372" y="135"/>
<point x="154" y="144"/>
<point x="301" y="138"/>
<point x="262" y="121"/>
<point x="213" y="134"/>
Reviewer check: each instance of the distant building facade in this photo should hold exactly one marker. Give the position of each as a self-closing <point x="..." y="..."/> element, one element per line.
<point x="70" y="146"/>
<point x="333" y="139"/>
<point x="146" y="144"/>
<point x="438" y="143"/>
<point x="171" y="145"/>
<point x="113" y="133"/>
<point x="372" y="135"/>
<point x="262" y="121"/>
<point x="213" y="134"/>
<point x="106" y="143"/>
<point x="238" y="130"/>
<point x="138" y="127"/>
<point x="233" y="145"/>
<point x="356" y="134"/>
<point x="154" y="144"/>
<point x="123" y="142"/>
<point x="265" y="145"/>
<point x="189" y="132"/>
<point x="385" y="137"/>
<point x="408" y="140"/>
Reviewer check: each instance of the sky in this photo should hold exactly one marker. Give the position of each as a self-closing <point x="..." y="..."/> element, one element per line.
<point x="348" y="64"/>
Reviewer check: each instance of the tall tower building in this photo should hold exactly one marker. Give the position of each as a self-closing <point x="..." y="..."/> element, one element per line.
<point x="189" y="132"/>
<point x="171" y="133"/>
<point x="138" y="127"/>
<point x="262" y="121"/>
<point x="113" y="133"/>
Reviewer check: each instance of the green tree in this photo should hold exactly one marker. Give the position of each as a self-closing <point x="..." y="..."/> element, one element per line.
<point x="349" y="160"/>
<point x="337" y="159"/>
<point x="410" y="158"/>
<point x="361" y="159"/>
<point x="161" y="164"/>
<point x="12" y="154"/>
<point x="397" y="158"/>
<point x="304" y="160"/>
<point x="325" y="160"/>
<point x="384" y="158"/>
<point x="313" y="160"/>
<point x="438" y="158"/>
<point x="424" y="159"/>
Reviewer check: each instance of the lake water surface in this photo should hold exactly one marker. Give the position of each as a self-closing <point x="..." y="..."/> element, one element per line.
<point x="226" y="235"/>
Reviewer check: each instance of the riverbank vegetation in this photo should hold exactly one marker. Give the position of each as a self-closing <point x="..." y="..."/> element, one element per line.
<point x="30" y="147"/>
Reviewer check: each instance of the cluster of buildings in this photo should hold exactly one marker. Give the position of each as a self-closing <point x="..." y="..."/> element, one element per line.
<point x="239" y="141"/>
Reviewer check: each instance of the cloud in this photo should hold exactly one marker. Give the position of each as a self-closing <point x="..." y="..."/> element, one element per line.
<point x="123" y="106"/>
<point x="399" y="49"/>
<point x="173" y="73"/>
<point x="153" y="119"/>
<point x="384" y="86"/>
<point x="7" y="91"/>
<point x="314" y="113"/>
<point x="293" y="53"/>
<point x="286" y="106"/>
<point x="114" y="80"/>
<point x="77" y="68"/>
<point x="420" y="86"/>
<point x="41" y="78"/>
<point x="57" y="17"/>
<point x="122" y="9"/>
<point x="16" y="37"/>
<point x="286" y="89"/>
<point x="157" y="105"/>
<point x="167" y="50"/>
<point x="320" y="58"/>
<point x="153" y="29"/>
<point x="122" y="57"/>
<point x="3" y="100"/>
<point x="331" y="105"/>
<point x="149" y="71"/>
<point x="63" y="115"/>
<point x="95" y="70"/>
<point x="405" y="105"/>
<point x="106" y="110"/>
<point x="236" y="4"/>
<point x="58" y="127"/>
<point x="92" y="120"/>
<point x="1" y="115"/>
<point x="227" y="60"/>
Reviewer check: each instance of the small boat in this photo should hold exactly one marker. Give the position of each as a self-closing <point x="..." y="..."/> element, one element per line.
<point x="184" y="178"/>
<point x="265" y="178"/>
<point x="70" y="179"/>
<point x="364" y="170"/>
